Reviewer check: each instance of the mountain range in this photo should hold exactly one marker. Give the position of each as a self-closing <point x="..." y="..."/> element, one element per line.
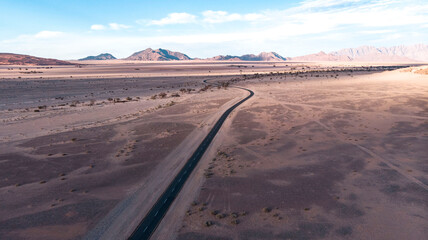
<point x="411" y="53"/>
<point x="403" y="53"/>
<point x="264" y="56"/>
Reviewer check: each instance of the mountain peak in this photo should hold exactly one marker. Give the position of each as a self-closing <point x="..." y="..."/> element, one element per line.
<point x="102" y="56"/>
<point x="157" y="55"/>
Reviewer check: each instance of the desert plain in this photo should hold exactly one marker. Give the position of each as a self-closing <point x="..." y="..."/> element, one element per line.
<point x="321" y="151"/>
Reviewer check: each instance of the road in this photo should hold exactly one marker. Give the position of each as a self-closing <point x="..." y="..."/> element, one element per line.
<point x="150" y="222"/>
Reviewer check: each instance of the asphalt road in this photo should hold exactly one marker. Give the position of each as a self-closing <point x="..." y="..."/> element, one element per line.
<point x="150" y="222"/>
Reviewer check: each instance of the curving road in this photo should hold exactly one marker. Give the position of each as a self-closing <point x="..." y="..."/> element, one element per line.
<point x="150" y="222"/>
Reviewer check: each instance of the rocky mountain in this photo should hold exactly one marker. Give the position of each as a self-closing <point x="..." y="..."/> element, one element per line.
<point x="411" y="53"/>
<point x="264" y="56"/>
<point x="158" y="55"/>
<point x="224" y="58"/>
<point x="321" y="56"/>
<point x="102" y="56"/>
<point x="19" y="59"/>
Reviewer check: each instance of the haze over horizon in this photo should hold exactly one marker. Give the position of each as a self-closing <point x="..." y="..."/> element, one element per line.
<point x="67" y="30"/>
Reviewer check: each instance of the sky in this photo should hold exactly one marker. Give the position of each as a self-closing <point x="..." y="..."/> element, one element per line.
<point x="75" y="29"/>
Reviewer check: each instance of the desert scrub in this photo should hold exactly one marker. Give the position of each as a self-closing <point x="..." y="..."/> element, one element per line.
<point x="214" y="212"/>
<point x="234" y="222"/>
<point x="208" y="223"/>
<point x="266" y="209"/>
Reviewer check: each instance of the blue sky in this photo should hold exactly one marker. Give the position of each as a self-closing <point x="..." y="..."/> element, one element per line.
<point x="74" y="29"/>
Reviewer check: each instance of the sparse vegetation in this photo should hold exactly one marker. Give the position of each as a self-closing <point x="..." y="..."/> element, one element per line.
<point x="267" y="209"/>
<point x="235" y="221"/>
<point x="208" y="223"/>
<point x="214" y="212"/>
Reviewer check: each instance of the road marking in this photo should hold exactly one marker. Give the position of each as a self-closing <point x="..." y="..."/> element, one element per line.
<point x="145" y="228"/>
<point x="166" y="199"/>
<point x="156" y="213"/>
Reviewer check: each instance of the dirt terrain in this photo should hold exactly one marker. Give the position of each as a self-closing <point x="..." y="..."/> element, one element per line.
<point x="66" y="165"/>
<point x="334" y="155"/>
<point x="326" y="158"/>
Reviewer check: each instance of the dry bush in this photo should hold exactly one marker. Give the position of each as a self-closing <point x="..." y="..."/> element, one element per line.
<point x="74" y="103"/>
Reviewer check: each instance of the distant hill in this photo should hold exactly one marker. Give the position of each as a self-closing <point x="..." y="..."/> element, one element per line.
<point x="19" y="59"/>
<point x="418" y="52"/>
<point x="102" y="56"/>
<point x="158" y="55"/>
<point x="321" y="56"/>
<point x="264" y="56"/>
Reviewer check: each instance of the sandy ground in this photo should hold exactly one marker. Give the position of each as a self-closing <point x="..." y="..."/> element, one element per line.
<point x="64" y="168"/>
<point x="314" y="155"/>
<point x="137" y="69"/>
<point x="318" y="158"/>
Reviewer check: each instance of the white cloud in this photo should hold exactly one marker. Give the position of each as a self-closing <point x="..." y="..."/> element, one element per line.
<point x="113" y="26"/>
<point x="223" y="16"/>
<point x="174" y="18"/>
<point x="308" y="4"/>
<point x="376" y="31"/>
<point x="98" y="27"/>
<point x="117" y="26"/>
<point x="47" y="34"/>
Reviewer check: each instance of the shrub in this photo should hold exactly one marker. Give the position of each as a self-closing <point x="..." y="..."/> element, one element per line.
<point x="208" y="223"/>
<point x="266" y="209"/>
